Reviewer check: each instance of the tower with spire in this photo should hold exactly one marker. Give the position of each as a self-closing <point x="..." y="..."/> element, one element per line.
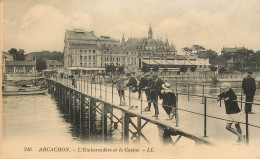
<point x="150" y="32"/>
<point x="123" y="39"/>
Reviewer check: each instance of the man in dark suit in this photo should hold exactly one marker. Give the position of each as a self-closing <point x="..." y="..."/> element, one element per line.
<point x="249" y="88"/>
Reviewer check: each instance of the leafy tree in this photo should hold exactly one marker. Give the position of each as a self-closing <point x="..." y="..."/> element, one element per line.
<point x="47" y="55"/>
<point x="18" y="55"/>
<point x="197" y="48"/>
<point x="183" y="69"/>
<point x="145" y="68"/>
<point x="187" y="50"/>
<point x="222" y="70"/>
<point x="110" y="68"/>
<point x="193" y="68"/>
<point x="212" y="55"/>
<point x="40" y="64"/>
<point x="155" y="68"/>
<point x="121" y="70"/>
<point x="13" y="51"/>
<point x="213" y="68"/>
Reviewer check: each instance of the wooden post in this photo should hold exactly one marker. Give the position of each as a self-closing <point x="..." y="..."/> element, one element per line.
<point x="188" y="92"/>
<point x="139" y="126"/>
<point x="129" y="98"/>
<point x="176" y="87"/>
<point x="74" y="106"/>
<point x="105" y="92"/>
<point x="91" y="89"/>
<point x="87" y="86"/>
<point x="177" y="111"/>
<point x="112" y="92"/>
<point x="247" y="129"/>
<point x="241" y="99"/>
<point x="69" y="102"/>
<point x="126" y="121"/>
<point x="84" y="85"/>
<point x="219" y="100"/>
<point x="95" y="89"/>
<point x="82" y="106"/>
<point x="141" y="101"/>
<point x="202" y="94"/>
<point x="205" y="116"/>
<point x="104" y="121"/>
<point x="81" y="84"/>
<point x="100" y="91"/>
<point x="91" y="117"/>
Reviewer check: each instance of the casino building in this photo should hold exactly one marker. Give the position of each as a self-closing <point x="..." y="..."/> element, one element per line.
<point x="87" y="53"/>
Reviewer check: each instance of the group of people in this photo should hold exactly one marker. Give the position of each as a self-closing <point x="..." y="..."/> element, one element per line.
<point x="155" y="89"/>
<point x="231" y="105"/>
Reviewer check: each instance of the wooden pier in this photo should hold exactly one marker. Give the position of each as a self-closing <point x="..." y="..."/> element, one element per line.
<point x="82" y="108"/>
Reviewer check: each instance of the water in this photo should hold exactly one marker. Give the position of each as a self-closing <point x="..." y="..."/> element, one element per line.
<point x="38" y="119"/>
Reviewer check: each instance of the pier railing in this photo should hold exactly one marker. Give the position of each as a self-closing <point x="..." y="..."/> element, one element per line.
<point x="101" y="87"/>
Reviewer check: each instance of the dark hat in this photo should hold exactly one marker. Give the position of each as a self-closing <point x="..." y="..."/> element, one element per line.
<point x="250" y="72"/>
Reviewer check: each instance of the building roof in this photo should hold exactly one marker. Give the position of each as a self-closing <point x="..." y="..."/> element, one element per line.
<point x="84" y="46"/>
<point x="80" y="35"/>
<point x="232" y="50"/>
<point x="53" y="62"/>
<point x="20" y="63"/>
<point x="177" y="62"/>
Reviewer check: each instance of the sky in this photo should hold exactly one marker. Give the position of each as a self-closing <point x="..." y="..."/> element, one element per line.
<point x="37" y="25"/>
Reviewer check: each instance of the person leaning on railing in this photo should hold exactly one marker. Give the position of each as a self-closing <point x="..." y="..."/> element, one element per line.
<point x="232" y="110"/>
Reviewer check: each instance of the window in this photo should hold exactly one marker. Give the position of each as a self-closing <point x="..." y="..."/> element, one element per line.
<point x="89" y="58"/>
<point x="94" y="58"/>
<point x="94" y="63"/>
<point x="89" y="51"/>
<point x="94" y="51"/>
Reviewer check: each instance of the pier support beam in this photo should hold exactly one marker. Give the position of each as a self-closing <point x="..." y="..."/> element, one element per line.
<point x="126" y="121"/>
<point x="104" y="121"/>
<point x="91" y="118"/>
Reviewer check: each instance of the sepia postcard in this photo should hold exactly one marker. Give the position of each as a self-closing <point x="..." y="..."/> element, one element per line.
<point x="130" y="79"/>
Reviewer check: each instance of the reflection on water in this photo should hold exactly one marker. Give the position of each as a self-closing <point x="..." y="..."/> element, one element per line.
<point x="34" y="116"/>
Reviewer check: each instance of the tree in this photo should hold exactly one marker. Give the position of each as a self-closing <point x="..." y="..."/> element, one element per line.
<point x="40" y="64"/>
<point x="13" y="51"/>
<point x="121" y="69"/>
<point x="222" y="70"/>
<point x="18" y="55"/>
<point x="212" y="55"/>
<point x="145" y="68"/>
<point x="155" y="68"/>
<point x="187" y="50"/>
<point x="183" y="69"/>
<point x="193" y="68"/>
<point x="197" y="48"/>
<point x="213" y="69"/>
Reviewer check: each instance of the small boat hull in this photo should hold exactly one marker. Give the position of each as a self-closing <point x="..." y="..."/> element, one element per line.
<point x="24" y="92"/>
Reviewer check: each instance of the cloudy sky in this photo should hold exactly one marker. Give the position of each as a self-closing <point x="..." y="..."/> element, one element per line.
<point x="36" y="25"/>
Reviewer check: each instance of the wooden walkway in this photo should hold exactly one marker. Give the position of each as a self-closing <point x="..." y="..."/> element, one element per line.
<point x="194" y="126"/>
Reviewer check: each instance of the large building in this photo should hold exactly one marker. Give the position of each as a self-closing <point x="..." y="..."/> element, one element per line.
<point x="88" y="53"/>
<point x="238" y="58"/>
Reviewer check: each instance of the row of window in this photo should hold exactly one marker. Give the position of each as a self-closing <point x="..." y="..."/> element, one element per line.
<point x="84" y="51"/>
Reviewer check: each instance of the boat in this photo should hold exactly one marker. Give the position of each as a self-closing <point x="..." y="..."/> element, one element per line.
<point x="25" y="90"/>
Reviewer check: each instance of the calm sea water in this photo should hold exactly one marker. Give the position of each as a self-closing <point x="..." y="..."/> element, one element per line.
<point x="34" y="117"/>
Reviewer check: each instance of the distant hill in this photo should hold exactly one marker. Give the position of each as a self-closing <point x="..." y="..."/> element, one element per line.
<point x="47" y="55"/>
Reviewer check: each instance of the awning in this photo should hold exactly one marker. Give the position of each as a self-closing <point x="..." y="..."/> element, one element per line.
<point x="87" y="69"/>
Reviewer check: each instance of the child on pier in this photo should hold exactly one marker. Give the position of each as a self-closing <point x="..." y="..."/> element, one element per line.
<point x="120" y="82"/>
<point x="169" y="100"/>
<point x="232" y="109"/>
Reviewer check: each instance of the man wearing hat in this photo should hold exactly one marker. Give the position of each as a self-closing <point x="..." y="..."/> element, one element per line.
<point x="249" y="88"/>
